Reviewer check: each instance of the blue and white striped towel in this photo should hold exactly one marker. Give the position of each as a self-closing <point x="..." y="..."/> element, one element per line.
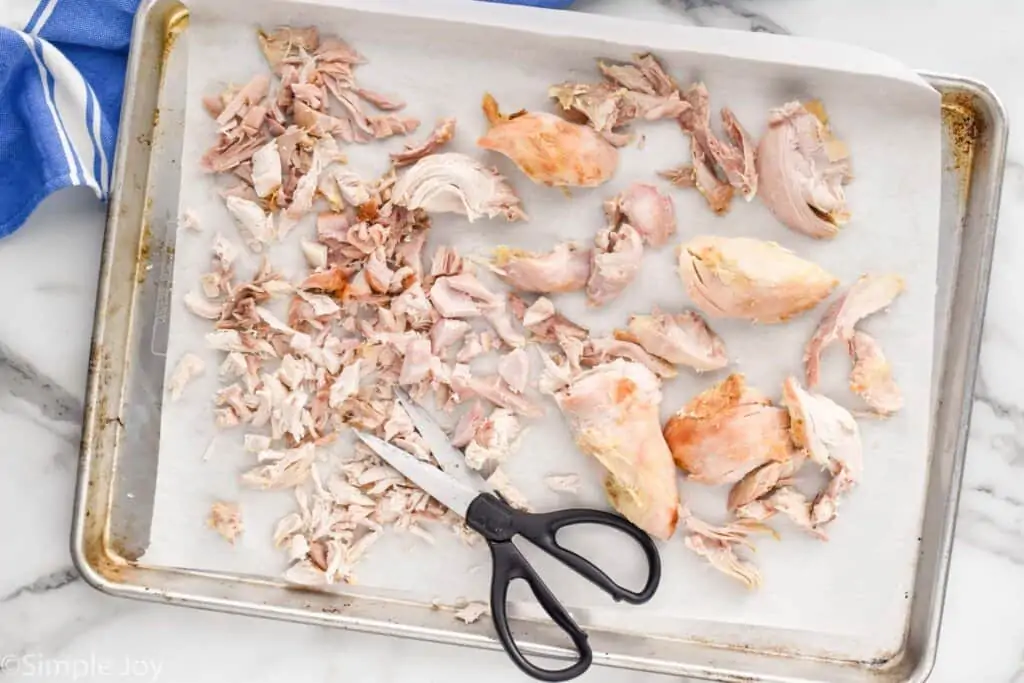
<point x="62" y="66"/>
<point x="61" y="76"/>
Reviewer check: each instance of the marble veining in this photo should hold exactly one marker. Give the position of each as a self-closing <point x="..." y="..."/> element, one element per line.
<point x="48" y="273"/>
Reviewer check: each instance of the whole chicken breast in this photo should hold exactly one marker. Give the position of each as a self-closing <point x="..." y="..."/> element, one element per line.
<point x="548" y="149"/>
<point x="727" y="431"/>
<point x="566" y="268"/>
<point x="742" y="277"/>
<point x="456" y="183"/>
<point x="870" y="294"/>
<point x="684" y="339"/>
<point x="612" y="411"/>
<point x="802" y="169"/>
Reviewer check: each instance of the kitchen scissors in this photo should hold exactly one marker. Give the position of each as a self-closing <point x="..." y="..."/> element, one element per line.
<point x="468" y="495"/>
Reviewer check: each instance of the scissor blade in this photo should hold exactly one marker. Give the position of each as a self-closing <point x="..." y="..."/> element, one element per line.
<point x="453" y="494"/>
<point x="450" y="458"/>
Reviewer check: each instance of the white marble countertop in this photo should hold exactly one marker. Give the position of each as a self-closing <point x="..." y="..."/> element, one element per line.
<point x="49" y="270"/>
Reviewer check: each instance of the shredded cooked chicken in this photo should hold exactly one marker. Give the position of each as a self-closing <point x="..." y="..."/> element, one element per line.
<point x="548" y="149"/>
<point x="226" y="520"/>
<point x="308" y="356"/>
<point x="189" y="367"/>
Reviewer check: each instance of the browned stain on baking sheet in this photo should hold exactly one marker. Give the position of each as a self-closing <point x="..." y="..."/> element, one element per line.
<point x="175" y="24"/>
<point x="963" y="127"/>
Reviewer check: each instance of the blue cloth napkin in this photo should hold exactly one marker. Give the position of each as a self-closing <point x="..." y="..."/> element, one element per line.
<point x="61" y="80"/>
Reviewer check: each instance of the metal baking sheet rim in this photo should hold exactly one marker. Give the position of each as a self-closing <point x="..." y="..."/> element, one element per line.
<point x="979" y="146"/>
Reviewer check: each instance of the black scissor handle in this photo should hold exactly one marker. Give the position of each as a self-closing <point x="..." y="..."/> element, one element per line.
<point x="509" y="565"/>
<point x="496" y="520"/>
<point x="541" y="529"/>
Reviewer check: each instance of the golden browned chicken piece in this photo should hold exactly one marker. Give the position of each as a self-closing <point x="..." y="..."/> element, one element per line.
<point x="802" y="169"/>
<point x="612" y="411"/>
<point x="727" y="431"/>
<point x="871" y="376"/>
<point x="684" y="339"/>
<point x="870" y="294"/>
<point x="550" y="150"/>
<point x="830" y="437"/>
<point x="741" y="277"/>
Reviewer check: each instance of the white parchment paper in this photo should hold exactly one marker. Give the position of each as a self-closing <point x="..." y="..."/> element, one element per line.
<point x="849" y="597"/>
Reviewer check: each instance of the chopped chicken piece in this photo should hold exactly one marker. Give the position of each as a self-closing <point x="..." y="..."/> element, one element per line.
<point x="501" y="322"/>
<point x="649" y="212"/>
<point x="346" y="385"/>
<point x="802" y="170"/>
<point x="499" y="481"/>
<point x="282" y="42"/>
<point x="564" y="483"/>
<point x="255" y="443"/>
<point x="456" y="183"/>
<point x="439" y="137"/>
<point x="468" y="425"/>
<point x="495" y="439"/>
<point x="255" y="226"/>
<point x="683" y="339"/>
<point x="737" y="160"/>
<point x="615" y="263"/>
<point x="470" y="349"/>
<point x="829" y="435"/>
<point x="544" y="322"/>
<point x="565" y="268"/>
<point x="315" y="253"/>
<point x="226" y="520"/>
<point x="445" y="334"/>
<point x="549" y="150"/>
<point x="612" y="411"/>
<point x="870" y="294"/>
<point x="787" y="501"/>
<point x="189" y="367"/>
<point x="493" y="389"/>
<point x="446" y="261"/>
<point x="641" y="90"/>
<point x="190" y="221"/>
<point x="224" y="252"/>
<point x="450" y="302"/>
<point x="597" y="351"/>
<point x="726" y="431"/>
<point x="514" y="368"/>
<point x="718" y="546"/>
<point x="266" y="169"/>
<point x="204" y="308"/>
<point x="871" y="376"/>
<point x="291" y="470"/>
<point x="760" y="481"/>
<point x="741" y="277"/>
<point x="416" y="366"/>
<point x="472" y="612"/>
<point x="351" y="188"/>
<point x="467" y="283"/>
